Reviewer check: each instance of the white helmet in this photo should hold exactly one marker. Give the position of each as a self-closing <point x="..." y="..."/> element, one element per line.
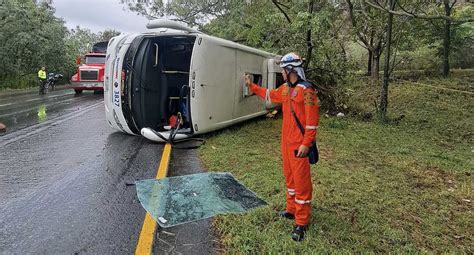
<point x="293" y="63"/>
<point x="290" y="59"/>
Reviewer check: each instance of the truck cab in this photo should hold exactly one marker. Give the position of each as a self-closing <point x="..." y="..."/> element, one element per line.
<point x="90" y="74"/>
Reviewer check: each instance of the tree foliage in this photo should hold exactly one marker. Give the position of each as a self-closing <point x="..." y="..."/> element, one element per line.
<point x="193" y="12"/>
<point x="323" y="31"/>
<point x="443" y="15"/>
<point x="80" y="40"/>
<point x="313" y="29"/>
<point x="327" y="33"/>
<point x="32" y="37"/>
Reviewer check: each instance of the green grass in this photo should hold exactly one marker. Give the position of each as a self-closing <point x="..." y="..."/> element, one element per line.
<point x="377" y="188"/>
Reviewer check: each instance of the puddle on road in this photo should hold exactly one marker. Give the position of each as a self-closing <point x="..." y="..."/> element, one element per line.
<point x="41" y="113"/>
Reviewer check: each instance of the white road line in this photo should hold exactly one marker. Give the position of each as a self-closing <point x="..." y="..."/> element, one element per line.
<point x="1" y="105"/>
<point x="37" y="99"/>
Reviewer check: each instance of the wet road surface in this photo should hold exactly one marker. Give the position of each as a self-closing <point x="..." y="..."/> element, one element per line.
<point x="66" y="181"/>
<point x="27" y="108"/>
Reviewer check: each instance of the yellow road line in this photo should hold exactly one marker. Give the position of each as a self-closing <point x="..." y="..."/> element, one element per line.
<point x="147" y="234"/>
<point x="165" y="160"/>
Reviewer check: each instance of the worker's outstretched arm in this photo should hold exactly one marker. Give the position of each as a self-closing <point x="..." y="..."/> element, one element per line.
<point x="311" y="109"/>
<point x="274" y="94"/>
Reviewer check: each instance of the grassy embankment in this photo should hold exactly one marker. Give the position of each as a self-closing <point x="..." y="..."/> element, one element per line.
<point x="377" y="188"/>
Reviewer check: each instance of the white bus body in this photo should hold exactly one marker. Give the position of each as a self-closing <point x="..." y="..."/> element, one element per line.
<point x="150" y="77"/>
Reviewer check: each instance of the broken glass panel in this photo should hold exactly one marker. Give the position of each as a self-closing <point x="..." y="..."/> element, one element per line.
<point x="177" y="200"/>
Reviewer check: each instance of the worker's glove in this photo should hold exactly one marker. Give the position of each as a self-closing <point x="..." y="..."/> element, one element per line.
<point x="248" y="80"/>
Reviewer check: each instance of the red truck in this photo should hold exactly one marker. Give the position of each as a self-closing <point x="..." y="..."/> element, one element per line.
<point x="90" y="74"/>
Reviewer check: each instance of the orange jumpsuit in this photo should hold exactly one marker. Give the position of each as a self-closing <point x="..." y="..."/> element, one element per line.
<point x="296" y="170"/>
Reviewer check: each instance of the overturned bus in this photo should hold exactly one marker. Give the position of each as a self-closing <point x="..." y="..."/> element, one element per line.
<point x="176" y="81"/>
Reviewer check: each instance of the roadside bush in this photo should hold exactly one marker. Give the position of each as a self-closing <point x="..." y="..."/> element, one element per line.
<point x="422" y="58"/>
<point x="23" y="82"/>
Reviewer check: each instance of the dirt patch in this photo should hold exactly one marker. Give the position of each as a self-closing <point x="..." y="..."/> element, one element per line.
<point x="422" y="177"/>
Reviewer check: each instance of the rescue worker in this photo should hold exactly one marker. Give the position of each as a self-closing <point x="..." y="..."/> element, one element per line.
<point x="294" y="145"/>
<point x="42" y="80"/>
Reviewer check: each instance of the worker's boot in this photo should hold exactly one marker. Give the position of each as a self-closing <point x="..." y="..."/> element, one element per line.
<point x="298" y="233"/>
<point x="286" y="215"/>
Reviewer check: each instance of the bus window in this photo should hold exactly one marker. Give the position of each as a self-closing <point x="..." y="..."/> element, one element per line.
<point x="279" y="80"/>
<point x="256" y="79"/>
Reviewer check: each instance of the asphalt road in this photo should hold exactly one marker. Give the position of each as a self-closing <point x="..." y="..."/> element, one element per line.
<point x="66" y="180"/>
<point x="27" y="108"/>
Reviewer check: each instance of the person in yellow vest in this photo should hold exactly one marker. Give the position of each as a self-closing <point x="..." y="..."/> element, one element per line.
<point x="42" y="80"/>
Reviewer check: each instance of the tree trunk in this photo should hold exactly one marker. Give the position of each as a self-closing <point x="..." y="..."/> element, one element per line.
<point x="309" y="40"/>
<point x="371" y="54"/>
<point x="369" y="63"/>
<point x="375" y="64"/>
<point x="386" y="75"/>
<point x="446" y="39"/>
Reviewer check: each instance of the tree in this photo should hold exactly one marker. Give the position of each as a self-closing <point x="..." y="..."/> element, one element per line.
<point x="312" y="28"/>
<point x="365" y="33"/>
<point x="462" y="39"/>
<point x="386" y="74"/>
<point x="31" y="37"/>
<point x="108" y="34"/>
<point x="81" y="40"/>
<point x="447" y="36"/>
<point x="195" y="13"/>
<point x="431" y="14"/>
<point x="370" y="30"/>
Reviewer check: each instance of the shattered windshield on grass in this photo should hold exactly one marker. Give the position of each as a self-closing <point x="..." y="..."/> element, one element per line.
<point x="177" y="200"/>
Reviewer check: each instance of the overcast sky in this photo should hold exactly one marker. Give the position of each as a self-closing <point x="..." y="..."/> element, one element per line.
<point x="98" y="15"/>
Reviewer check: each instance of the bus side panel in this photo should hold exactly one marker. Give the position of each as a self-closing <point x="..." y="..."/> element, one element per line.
<point x="273" y="71"/>
<point x="248" y="63"/>
<point x="212" y="83"/>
